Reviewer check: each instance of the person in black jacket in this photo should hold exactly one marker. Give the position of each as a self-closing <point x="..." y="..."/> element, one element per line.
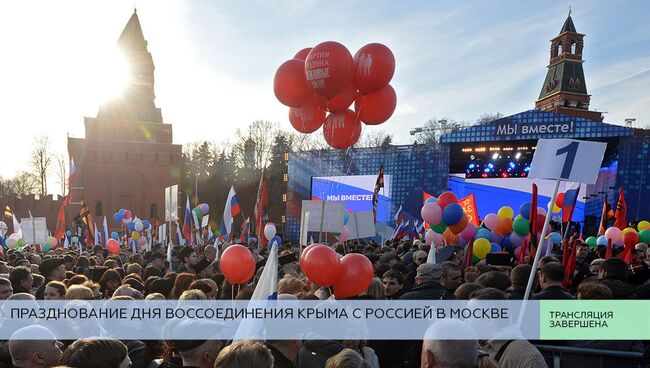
<point x="21" y="279"/>
<point x="551" y="278"/>
<point x="613" y="274"/>
<point x="428" y="284"/>
<point x="285" y="352"/>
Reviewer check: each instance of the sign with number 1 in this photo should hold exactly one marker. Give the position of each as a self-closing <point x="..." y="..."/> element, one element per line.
<point x="567" y="159"/>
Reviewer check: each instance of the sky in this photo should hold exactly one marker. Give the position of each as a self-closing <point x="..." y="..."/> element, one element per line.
<point x="215" y="60"/>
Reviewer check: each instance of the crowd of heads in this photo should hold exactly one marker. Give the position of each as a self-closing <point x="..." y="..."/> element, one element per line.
<point x="401" y="272"/>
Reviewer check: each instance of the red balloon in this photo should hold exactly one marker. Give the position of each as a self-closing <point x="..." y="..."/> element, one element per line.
<point x="559" y="200"/>
<point x="539" y="223"/>
<point x="377" y="107"/>
<point x="342" y="129"/>
<point x="446" y="198"/>
<point x="237" y="264"/>
<point x="630" y="239"/>
<point x="374" y="66"/>
<point x="321" y="265"/>
<point x="113" y="246"/>
<point x="354" y="277"/>
<point x="290" y="85"/>
<point x="329" y="68"/>
<point x="307" y="118"/>
<point x="343" y="100"/>
<point x="302" y="54"/>
<point x="304" y="253"/>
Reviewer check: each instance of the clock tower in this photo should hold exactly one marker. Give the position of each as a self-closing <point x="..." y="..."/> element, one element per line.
<point x="564" y="90"/>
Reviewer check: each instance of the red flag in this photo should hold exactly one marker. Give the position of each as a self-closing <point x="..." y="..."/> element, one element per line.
<point x="608" y="251"/>
<point x="522" y="252"/>
<point x="59" y="233"/>
<point x="627" y="253"/>
<point x="261" y="211"/>
<point x="469" y="206"/>
<point x="532" y="216"/>
<point x="621" y="212"/>
<point x="469" y="252"/>
<point x="571" y="266"/>
<point x="565" y="253"/>
<point x="606" y="216"/>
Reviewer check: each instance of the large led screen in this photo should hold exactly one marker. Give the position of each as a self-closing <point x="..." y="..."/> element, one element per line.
<point x="355" y="191"/>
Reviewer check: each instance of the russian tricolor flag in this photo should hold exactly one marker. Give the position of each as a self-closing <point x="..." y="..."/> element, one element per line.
<point x="230" y="211"/>
<point x="187" y="223"/>
<point x="570" y="200"/>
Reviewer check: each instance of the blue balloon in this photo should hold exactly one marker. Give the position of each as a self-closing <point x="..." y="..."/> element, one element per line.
<point x="555" y="238"/>
<point x="494" y="247"/>
<point x="346" y="217"/>
<point x="146" y="224"/>
<point x="483" y="233"/>
<point x="115" y="235"/>
<point x="431" y="200"/>
<point x="505" y="242"/>
<point x="121" y="211"/>
<point x="602" y="240"/>
<point x="75" y="240"/>
<point x="117" y="217"/>
<point x="131" y="226"/>
<point x="68" y="233"/>
<point x="524" y="210"/>
<point x="275" y="241"/>
<point x="452" y="214"/>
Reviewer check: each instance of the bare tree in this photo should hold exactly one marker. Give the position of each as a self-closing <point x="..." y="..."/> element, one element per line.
<point x="488" y="117"/>
<point x="375" y="139"/>
<point x="21" y="184"/>
<point x="41" y="161"/>
<point x="308" y="142"/>
<point x="62" y="172"/>
<point x="434" y="128"/>
<point x="262" y="133"/>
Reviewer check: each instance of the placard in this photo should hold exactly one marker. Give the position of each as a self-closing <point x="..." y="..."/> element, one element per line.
<point x="567" y="159"/>
<point x="171" y="203"/>
<point x="361" y="225"/>
<point x="384" y="230"/>
<point x="205" y="221"/>
<point x="34" y="230"/>
<point x="324" y="216"/>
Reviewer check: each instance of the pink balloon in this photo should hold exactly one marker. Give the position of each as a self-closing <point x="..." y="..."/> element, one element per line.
<point x="142" y="240"/>
<point x="127" y="214"/>
<point x="516" y="239"/>
<point x="345" y="234"/>
<point x="433" y="238"/>
<point x="614" y="234"/>
<point x="518" y="251"/>
<point x="431" y="213"/>
<point x="541" y="211"/>
<point x="491" y="221"/>
<point x="469" y="231"/>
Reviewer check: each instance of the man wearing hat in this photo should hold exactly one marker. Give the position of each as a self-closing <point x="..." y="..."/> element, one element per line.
<point x="203" y="269"/>
<point x="188" y="258"/>
<point x="194" y="353"/>
<point x="428" y="287"/>
<point x="157" y="260"/>
<point x="53" y="269"/>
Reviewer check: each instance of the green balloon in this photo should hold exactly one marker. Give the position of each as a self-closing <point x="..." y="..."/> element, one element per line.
<point x="592" y="242"/>
<point x="521" y="226"/>
<point x="21" y="243"/>
<point x="475" y="259"/>
<point x="198" y="213"/>
<point x="440" y="228"/>
<point x="644" y="236"/>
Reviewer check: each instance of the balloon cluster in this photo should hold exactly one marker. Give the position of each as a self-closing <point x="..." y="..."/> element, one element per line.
<point x="201" y="210"/>
<point x="50" y="243"/>
<point x="15" y="241"/>
<point x="349" y="276"/>
<point x="135" y="227"/>
<point x="447" y="220"/>
<point x="327" y="78"/>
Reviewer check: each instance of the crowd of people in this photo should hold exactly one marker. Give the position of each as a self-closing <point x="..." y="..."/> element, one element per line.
<point x="401" y="272"/>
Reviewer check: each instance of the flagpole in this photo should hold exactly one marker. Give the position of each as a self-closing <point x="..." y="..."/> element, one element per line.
<point x="533" y="272"/>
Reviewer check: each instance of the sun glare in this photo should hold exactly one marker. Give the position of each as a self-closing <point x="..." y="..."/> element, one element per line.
<point x="114" y="76"/>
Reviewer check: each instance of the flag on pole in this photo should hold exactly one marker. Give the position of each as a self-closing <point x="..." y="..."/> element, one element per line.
<point x="467" y="259"/>
<point x="229" y="212"/>
<point x="187" y="223"/>
<point x="98" y="237"/>
<point x="210" y="234"/>
<point x="570" y="200"/>
<point x="59" y="231"/>
<point x="621" y="212"/>
<point x="87" y="219"/>
<point x="398" y="216"/>
<point x="261" y="211"/>
<point x="606" y="217"/>
<point x="431" y="257"/>
<point x="105" y="233"/>
<point x="181" y="241"/>
<point x="245" y="230"/>
<point x="197" y="228"/>
<point x="66" y="243"/>
<point x="379" y="184"/>
<point x="9" y="213"/>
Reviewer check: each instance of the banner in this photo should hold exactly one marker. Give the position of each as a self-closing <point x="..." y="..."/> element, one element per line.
<point x="469" y="206"/>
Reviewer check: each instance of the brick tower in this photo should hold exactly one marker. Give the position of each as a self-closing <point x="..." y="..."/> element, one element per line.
<point x="564" y="90"/>
<point x="127" y="157"/>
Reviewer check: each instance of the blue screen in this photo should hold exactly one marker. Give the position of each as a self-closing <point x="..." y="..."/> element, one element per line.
<point x="355" y="191"/>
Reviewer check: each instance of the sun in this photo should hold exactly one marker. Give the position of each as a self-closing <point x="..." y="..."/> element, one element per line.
<point x="114" y="76"/>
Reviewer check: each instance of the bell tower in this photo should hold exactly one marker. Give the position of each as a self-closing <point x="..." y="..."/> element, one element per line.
<point x="564" y="90"/>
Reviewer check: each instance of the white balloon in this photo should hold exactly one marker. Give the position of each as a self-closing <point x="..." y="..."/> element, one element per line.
<point x="269" y="231"/>
<point x="138" y="226"/>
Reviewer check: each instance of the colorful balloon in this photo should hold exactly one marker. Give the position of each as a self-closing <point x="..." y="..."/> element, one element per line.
<point x="269" y="231"/>
<point x="460" y="226"/>
<point x="521" y="226"/>
<point x="345" y="234"/>
<point x="117" y="217"/>
<point x="329" y="68"/>
<point x="469" y="232"/>
<point x="355" y="276"/>
<point x="237" y="264"/>
<point x="321" y="265"/>
<point x="644" y="236"/>
<point x="505" y="226"/>
<point x="139" y="226"/>
<point x="446" y="199"/>
<point x="440" y="228"/>
<point x="452" y="214"/>
<point x="627" y="230"/>
<point x="613" y="234"/>
<point x="377" y="107"/>
<point x="302" y="54"/>
<point x="559" y="200"/>
<point x="374" y="66"/>
<point x="524" y="210"/>
<point x="127" y="215"/>
<point x="643" y="225"/>
<point x="115" y="235"/>
<point x="342" y="130"/>
<point x="431" y="200"/>
<point x="556" y="238"/>
<point x="304" y="253"/>
<point x="506" y="212"/>
<point x="592" y="242"/>
<point x="495" y="248"/>
<point x="75" y="240"/>
<point x="483" y="233"/>
<point x="431" y="213"/>
<point x="205" y="208"/>
<point x="481" y="248"/>
<point x="113" y="246"/>
<point x="309" y="117"/>
<point x="602" y="240"/>
<point x="491" y="221"/>
<point x="433" y="238"/>
<point x="146" y="224"/>
<point x="289" y="84"/>
<point x="135" y="235"/>
<point x="631" y="238"/>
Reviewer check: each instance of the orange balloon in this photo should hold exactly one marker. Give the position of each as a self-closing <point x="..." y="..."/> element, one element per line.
<point x="504" y="227"/>
<point x="459" y="227"/>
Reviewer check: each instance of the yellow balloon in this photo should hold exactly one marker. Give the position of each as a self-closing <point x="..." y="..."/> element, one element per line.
<point x="643" y="225"/>
<point x="135" y="235"/>
<point x="627" y="230"/>
<point x="481" y="248"/>
<point x="505" y="212"/>
<point x="556" y="209"/>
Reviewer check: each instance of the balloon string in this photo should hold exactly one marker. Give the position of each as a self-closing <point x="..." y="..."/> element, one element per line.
<point x="232" y="292"/>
